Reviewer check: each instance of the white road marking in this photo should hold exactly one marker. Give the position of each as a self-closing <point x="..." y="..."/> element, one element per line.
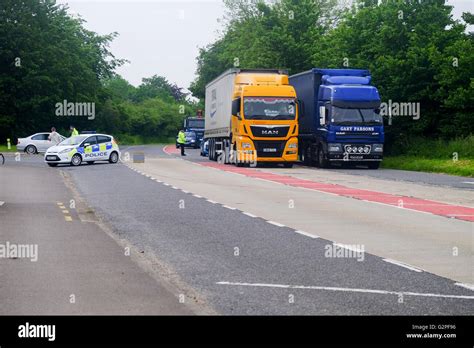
<point x="2" y="203"/>
<point x="306" y="234"/>
<point x="184" y="191"/>
<point x="248" y="214"/>
<point x="467" y="286"/>
<point x="166" y="184"/>
<point x="401" y="264"/>
<point x="226" y="206"/>
<point x="468" y="182"/>
<point x="275" y="223"/>
<point x="158" y="180"/>
<point x="348" y="247"/>
<point x="197" y="196"/>
<point x="211" y="201"/>
<point x="174" y="187"/>
<point x="329" y="288"/>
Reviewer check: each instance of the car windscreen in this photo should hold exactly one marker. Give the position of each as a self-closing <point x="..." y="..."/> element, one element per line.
<point x="73" y="140"/>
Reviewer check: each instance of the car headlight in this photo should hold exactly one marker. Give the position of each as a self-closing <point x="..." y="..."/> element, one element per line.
<point x="64" y="151"/>
<point x="293" y="145"/>
<point x="246" y="146"/>
<point x="334" y="147"/>
<point x="377" y="148"/>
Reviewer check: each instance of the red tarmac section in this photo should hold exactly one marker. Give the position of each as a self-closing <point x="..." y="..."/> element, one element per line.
<point x="403" y="202"/>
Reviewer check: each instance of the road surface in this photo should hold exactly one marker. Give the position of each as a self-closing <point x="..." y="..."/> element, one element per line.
<point x="207" y="239"/>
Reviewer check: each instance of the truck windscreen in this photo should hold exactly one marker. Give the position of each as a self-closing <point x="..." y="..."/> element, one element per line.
<point x="359" y="116"/>
<point x="195" y="123"/>
<point x="267" y="108"/>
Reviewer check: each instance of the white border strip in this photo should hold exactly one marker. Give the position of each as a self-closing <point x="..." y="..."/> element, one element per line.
<point x="275" y="223"/>
<point x="303" y="233"/>
<point x="329" y="288"/>
<point x="466" y="286"/>
<point x="401" y="264"/>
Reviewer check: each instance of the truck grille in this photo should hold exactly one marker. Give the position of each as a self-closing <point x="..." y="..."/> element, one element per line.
<point x="269" y="148"/>
<point x="270" y="131"/>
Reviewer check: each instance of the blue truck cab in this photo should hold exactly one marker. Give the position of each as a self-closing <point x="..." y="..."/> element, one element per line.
<point x="339" y="118"/>
<point x="196" y="125"/>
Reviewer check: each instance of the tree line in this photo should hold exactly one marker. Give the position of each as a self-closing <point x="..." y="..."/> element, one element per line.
<point x="415" y="49"/>
<point x="48" y="58"/>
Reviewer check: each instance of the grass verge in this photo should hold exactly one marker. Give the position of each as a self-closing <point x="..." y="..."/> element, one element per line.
<point x="4" y="148"/>
<point x="462" y="167"/>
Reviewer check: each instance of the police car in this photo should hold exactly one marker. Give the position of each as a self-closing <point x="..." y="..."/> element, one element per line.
<point x="83" y="148"/>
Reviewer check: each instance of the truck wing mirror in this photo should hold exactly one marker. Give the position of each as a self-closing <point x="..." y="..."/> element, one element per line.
<point x="322" y="115"/>
<point x="236" y="107"/>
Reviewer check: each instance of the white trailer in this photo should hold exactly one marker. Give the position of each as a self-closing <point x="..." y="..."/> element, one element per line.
<point x="218" y="114"/>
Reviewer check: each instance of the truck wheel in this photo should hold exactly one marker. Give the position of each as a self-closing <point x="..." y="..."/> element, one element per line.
<point x="373" y="165"/>
<point x="322" y="161"/>
<point x="306" y="156"/>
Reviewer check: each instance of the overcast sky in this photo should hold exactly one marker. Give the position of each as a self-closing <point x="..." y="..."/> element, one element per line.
<point x="162" y="37"/>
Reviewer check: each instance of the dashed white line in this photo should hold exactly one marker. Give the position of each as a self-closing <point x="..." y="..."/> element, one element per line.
<point x="184" y="191"/>
<point x="275" y="223"/>
<point x="348" y="247"/>
<point x="468" y="182"/>
<point x="197" y="196"/>
<point x="211" y="201"/>
<point x="328" y="288"/>
<point x="174" y="187"/>
<point x="166" y="184"/>
<point x="226" y="206"/>
<point x="158" y="180"/>
<point x="248" y="214"/>
<point x="307" y="234"/>
<point x="401" y="264"/>
<point x="466" y="286"/>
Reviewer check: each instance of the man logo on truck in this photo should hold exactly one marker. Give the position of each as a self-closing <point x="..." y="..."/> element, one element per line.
<point x="270" y="132"/>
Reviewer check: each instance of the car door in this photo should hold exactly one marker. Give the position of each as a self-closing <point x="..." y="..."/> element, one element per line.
<point x="105" y="146"/>
<point x="91" y="149"/>
<point x="41" y="141"/>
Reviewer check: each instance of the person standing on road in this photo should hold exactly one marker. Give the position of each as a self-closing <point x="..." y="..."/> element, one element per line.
<point x="182" y="141"/>
<point x="54" y="137"/>
<point x="74" y="131"/>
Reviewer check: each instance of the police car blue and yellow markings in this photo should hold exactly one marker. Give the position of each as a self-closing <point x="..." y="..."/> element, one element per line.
<point x="93" y="151"/>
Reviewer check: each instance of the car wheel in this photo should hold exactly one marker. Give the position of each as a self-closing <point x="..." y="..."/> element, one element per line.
<point x="31" y="149"/>
<point x="114" y="157"/>
<point x="76" y="160"/>
<point x="52" y="164"/>
<point x="90" y="162"/>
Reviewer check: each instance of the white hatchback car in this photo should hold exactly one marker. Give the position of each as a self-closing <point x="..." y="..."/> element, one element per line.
<point x="83" y="148"/>
<point x="35" y="143"/>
